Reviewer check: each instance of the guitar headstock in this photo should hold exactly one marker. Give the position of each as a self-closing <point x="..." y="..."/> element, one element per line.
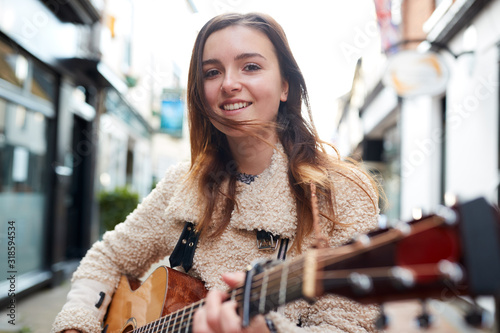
<point x="456" y="250"/>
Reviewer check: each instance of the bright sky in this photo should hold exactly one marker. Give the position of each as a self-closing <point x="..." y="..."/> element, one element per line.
<point x="326" y="37"/>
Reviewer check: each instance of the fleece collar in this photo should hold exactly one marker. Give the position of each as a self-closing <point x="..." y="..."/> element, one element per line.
<point x="265" y="204"/>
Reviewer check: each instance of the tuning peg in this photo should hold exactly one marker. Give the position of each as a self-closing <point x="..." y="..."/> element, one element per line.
<point x="424" y="320"/>
<point x="382" y="322"/>
<point x="474" y="318"/>
<point x="361" y="283"/>
<point x="478" y="318"/>
<point x="402" y="277"/>
<point x="362" y="239"/>
<point x="451" y="270"/>
<point x="447" y="214"/>
<point x="403" y="227"/>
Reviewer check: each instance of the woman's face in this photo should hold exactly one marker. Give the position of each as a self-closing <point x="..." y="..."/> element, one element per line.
<point x="242" y="77"/>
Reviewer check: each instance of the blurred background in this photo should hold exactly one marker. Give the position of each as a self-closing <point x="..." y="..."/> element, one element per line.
<point x="92" y="108"/>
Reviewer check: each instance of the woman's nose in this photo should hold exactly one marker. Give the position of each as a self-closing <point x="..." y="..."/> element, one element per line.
<point x="231" y="82"/>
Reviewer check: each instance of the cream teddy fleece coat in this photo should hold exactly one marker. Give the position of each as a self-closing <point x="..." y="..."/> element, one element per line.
<point x="151" y="232"/>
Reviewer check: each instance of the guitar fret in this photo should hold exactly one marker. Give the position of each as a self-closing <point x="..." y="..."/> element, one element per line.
<point x="175" y="320"/>
<point x="162" y="322"/>
<point x="233" y="294"/>
<point x="263" y="292"/>
<point x="168" y="319"/>
<point x="181" y="319"/>
<point x="189" y="319"/>
<point x="284" y="276"/>
<point x="193" y="307"/>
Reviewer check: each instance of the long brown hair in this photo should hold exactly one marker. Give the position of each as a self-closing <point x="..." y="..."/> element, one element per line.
<point x="211" y="159"/>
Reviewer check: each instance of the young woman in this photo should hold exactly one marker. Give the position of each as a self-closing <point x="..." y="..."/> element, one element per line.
<point x="255" y="164"/>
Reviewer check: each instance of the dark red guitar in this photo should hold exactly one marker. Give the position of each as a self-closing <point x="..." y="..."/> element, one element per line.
<point x="454" y="252"/>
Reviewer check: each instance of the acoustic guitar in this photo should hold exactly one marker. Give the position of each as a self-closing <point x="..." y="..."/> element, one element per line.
<point x="453" y="252"/>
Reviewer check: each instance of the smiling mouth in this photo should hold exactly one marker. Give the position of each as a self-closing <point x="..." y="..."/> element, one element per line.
<point x="235" y="106"/>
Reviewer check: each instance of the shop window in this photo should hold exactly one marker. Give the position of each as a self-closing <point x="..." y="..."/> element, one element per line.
<point x="43" y="83"/>
<point x="13" y="66"/>
<point x="30" y="77"/>
<point x="23" y="190"/>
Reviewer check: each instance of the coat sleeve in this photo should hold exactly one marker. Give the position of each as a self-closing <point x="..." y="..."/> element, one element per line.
<point x="356" y="210"/>
<point x="131" y="248"/>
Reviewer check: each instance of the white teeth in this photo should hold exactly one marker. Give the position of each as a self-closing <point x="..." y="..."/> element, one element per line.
<point x="235" y="106"/>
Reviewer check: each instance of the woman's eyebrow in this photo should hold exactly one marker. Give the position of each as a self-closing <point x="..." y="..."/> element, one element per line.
<point x="210" y="62"/>
<point x="249" y="55"/>
<point x="240" y="56"/>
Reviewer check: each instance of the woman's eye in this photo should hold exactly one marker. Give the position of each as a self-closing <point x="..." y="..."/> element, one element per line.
<point x="211" y="73"/>
<point x="251" y="67"/>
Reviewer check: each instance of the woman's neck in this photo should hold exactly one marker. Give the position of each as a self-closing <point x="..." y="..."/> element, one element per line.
<point x="252" y="155"/>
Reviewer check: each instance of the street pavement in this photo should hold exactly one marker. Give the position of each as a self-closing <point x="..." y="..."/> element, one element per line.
<point x="36" y="313"/>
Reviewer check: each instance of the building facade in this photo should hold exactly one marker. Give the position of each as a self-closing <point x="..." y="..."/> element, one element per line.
<point x="432" y="148"/>
<point x="54" y="85"/>
<point x="437" y="146"/>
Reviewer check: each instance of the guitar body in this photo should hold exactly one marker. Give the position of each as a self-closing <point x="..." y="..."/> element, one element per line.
<point x="165" y="291"/>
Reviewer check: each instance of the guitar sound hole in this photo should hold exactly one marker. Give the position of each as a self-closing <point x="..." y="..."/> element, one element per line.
<point x="127" y="329"/>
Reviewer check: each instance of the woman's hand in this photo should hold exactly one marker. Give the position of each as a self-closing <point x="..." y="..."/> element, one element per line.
<point x="218" y="316"/>
<point x="71" y="331"/>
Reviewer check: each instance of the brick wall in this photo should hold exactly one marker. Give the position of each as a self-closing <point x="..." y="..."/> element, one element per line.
<point x="414" y="13"/>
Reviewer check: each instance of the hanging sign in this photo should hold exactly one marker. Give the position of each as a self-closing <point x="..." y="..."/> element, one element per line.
<point x="411" y="73"/>
<point x="172" y="117"/>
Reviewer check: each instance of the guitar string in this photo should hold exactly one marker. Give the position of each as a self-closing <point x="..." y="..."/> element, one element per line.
<point x="337" y="275"/>
<point x="334" y="275"/>
<point x="273" y="281"/>
<point x="193" y="307"/>
<point x="275" y="277"/>
<point x="418" y="270"/>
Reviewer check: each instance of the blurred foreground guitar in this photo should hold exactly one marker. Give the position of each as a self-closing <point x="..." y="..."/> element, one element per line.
<point x="454" y="252"/>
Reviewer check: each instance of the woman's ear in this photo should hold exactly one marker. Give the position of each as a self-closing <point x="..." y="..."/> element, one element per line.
<point x="284" y="91"/>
